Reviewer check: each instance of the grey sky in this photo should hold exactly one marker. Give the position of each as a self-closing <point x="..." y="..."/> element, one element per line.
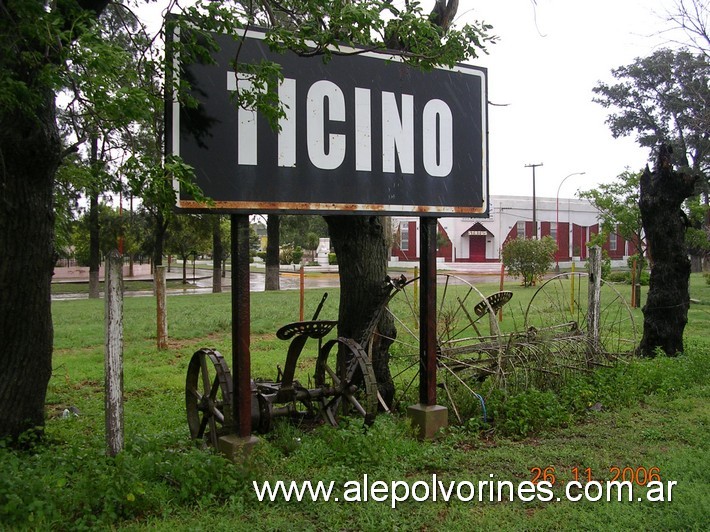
<point x="548" y="59"/>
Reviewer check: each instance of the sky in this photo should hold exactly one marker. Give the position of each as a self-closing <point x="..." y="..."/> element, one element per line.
<point x="541" y="74"/>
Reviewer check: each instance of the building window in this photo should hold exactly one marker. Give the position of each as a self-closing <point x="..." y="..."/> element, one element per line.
<point x="404" y="236"/>
<point x="612" y="242"/>
<point x="520" y="229"/>
<point x="553" y="231"/>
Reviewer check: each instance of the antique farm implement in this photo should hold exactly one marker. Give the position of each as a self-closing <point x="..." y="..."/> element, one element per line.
<point x="343" y="383"/>
<point x="553" y="340"/>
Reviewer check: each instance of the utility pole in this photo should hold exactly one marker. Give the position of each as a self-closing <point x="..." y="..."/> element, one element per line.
<point x="534" y="220"/>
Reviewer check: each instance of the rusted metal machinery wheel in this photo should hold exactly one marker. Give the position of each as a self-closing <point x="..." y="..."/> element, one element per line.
<point x="208" y="396"/>
<point x="557" y="340"/>
<point x="347" y="381"/>
<point x="470" y="346"/>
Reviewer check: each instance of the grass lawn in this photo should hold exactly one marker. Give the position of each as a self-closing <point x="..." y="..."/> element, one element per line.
<point x="646" y="415"/>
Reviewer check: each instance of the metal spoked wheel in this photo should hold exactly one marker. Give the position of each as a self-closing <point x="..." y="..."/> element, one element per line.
<point x="347" y="381"/>
<point x="558" y="340"/>
<point x="470" y="346"/>
<point x="208" y="396"/>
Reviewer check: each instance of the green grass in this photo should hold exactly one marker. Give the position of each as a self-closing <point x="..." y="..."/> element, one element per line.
<point x="648" y="413"/>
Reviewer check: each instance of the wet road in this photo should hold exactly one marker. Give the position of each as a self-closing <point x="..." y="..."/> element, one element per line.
<point x="201" y="282"/>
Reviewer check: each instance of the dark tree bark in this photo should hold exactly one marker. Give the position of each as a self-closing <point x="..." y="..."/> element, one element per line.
<point x="663" y="192"/>
<point x="29" y="156"/>
<point x="216" y="255"/>
<point x="161" y="227"/>
<point x="273" y="225"/>
<point x="361" y="247"/>
<point x="94" y="243"/>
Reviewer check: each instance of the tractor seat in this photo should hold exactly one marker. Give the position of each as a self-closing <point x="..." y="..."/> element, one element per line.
<point x="312" y="329"/>
<point x="496" y="302"/>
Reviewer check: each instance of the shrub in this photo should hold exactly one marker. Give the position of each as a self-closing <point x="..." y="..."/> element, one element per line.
<point x="619" y="277"/>
<point x="290" y="254"/>
<point x="529" y="259"/>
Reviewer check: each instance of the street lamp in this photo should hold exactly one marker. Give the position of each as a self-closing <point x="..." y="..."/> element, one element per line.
<point x="557" y="220"/>
<point x="534" y="212"/>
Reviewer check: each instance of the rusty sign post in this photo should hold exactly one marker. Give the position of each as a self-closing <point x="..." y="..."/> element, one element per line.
<point x="427" y="416"/>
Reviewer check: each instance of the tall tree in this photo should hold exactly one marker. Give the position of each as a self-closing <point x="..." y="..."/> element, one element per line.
<point x="663" y="192"/>
<point x="664" y="99"/>
<point x="273" y="230"/>
<point x="362" y="243"/>
<point x="35" y="37"/>
<point x="217" y="253"/>
<point x="102" y="97"/>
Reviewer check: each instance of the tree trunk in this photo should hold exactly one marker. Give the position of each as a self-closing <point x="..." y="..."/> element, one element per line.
<point x="666" y="310"/>
<point x="361" y="247"/>
<point x="696" y="263"/>
<point x="216" y="255"/>
<point x="273" y="225"/>
<point x="94" y="249"/>
<point x="160" y="227"/>
<point x="29" y="151"/>
<point x="184" y="269"/>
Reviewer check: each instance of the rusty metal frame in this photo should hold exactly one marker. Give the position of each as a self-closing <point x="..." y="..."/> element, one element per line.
<point x="427" y="316"/>
<point x="241" y="325"/>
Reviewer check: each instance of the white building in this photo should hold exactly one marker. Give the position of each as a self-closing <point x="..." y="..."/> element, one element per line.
<point x="481" y="239"/>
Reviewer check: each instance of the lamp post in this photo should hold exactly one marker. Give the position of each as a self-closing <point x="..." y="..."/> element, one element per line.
<point x="557" y="220"/>
<point x="534" y="213"/>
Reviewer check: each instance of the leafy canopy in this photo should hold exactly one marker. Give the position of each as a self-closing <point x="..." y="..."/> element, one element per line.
<point x="663" y="99"/>
<point x="619" y="213"/>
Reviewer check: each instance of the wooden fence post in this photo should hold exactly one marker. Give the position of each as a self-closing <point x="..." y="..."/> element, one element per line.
<point x="113" y="355"/>
<point x="160" y="290"/>
<point x="595" y="284"/>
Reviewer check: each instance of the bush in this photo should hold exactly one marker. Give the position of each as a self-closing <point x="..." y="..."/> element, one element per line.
<point x="619" y="277"/>
<point x="290" y="254"/>
<point x="529" y="258"/>
<point x="332" y="259"/>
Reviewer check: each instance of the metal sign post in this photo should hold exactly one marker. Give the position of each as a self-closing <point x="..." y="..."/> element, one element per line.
<point x="427" y="306"/>
<point x="241" y="321"/>
<point x="427" y="416"/>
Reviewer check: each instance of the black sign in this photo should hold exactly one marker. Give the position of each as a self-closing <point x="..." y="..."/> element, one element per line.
<point x="363" y="133"/>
